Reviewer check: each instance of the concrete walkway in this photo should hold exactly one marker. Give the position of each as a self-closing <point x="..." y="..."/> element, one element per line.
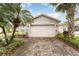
<point x="45" y="47"/>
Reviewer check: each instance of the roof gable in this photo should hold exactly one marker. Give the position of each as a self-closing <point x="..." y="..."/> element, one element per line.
<point x="44" y="15"/>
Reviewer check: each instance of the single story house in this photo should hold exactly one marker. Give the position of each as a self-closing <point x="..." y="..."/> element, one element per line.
<point x="43" y="26"/>
<point x="64" y="27"/>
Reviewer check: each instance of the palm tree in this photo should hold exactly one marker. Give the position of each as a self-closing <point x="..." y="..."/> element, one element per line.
<point x="16" y="15"/>
<point x="3" y="24"/>
<point x="69" y="8"/>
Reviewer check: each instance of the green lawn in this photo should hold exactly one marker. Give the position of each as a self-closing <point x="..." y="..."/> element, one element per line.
<point x="9" y="34"/>
<point x="76" y="41"/>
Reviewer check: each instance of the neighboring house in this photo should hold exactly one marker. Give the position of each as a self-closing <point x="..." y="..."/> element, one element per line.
<point x="22" y="29"/>
<point x="43" y="26"/>
<point x="64" y="27"/>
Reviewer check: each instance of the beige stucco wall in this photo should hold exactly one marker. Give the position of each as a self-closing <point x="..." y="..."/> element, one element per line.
<point x="44" y="20"/>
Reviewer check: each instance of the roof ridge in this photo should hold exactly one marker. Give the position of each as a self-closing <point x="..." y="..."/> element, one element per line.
<point x="43" y="14"/>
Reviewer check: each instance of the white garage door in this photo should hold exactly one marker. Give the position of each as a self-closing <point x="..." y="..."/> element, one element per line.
<point x="43" y="31"/>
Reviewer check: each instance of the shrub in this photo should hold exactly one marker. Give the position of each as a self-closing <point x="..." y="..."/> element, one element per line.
<point x="14" y="44"/>
<point x="3" y="50"/>
<point x="1" y="43"/>
<point x="65" y="33"/>
<point x="75" y="41"/>
<point x="11" y="46"/>
<point x="59" y="36"/>
<point x="68" y="39"/>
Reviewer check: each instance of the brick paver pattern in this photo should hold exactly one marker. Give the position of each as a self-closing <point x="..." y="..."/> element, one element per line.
<point x="45" y="47"/>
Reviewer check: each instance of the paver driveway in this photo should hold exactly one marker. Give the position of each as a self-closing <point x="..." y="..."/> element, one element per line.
<point x="45" y="47"/>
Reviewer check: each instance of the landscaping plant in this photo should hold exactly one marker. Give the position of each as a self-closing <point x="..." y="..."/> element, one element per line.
<point x="15" y="15"/>
<point x="69" y="9"/>
<point x="66" y="38"/>
<point x="7" y="49"/>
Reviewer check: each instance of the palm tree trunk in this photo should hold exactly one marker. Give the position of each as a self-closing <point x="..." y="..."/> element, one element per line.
<point x="71" y="27"/>
<point x="6" y="39"/>
<point x="70" y="15"/>
<point x="13" y="34"/>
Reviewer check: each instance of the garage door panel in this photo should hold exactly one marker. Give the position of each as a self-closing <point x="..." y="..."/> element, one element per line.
<point x="43" y="31"/>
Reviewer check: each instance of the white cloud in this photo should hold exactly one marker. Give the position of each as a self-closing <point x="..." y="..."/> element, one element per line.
<point x="48" y="6"/>
<point x="55" y="15"/>
<point x="59" y="16"/>
<point x="30" y="10"/>
<point x="29" y="4"/>
<point x="39" y="13"/>
<point x="45" y="4"/>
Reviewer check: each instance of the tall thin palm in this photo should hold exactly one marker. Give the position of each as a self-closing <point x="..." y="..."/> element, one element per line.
<point x="69" y="8"/>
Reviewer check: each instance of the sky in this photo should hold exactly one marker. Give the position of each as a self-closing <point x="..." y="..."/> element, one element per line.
<point x="39" y="8"/>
